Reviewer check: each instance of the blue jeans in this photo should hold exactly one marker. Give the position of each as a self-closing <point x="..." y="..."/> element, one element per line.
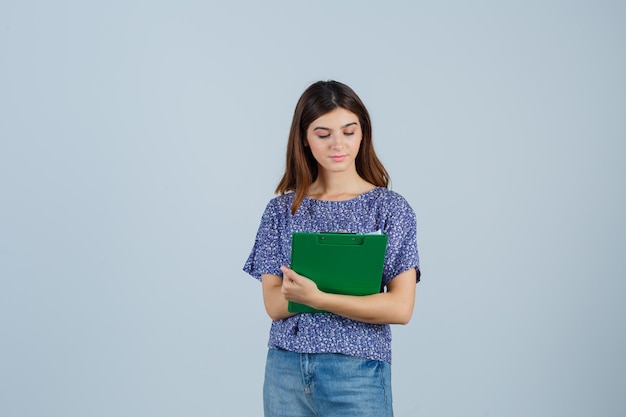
<point x="325" y="385"/>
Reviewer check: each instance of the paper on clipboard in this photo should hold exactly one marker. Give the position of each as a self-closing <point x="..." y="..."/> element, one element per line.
<point x="339" y="263"/>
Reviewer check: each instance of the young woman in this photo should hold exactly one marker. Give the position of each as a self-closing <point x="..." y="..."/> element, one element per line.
<point x="335" y="363"/>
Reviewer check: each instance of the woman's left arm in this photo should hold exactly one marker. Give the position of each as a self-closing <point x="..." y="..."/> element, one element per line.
<point x="392" y="307"/>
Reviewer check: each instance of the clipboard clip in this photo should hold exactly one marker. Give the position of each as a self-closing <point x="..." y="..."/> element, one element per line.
<point x="339" y="238"/>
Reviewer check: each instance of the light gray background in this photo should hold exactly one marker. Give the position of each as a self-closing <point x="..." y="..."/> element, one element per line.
<point x="141" y="140"/>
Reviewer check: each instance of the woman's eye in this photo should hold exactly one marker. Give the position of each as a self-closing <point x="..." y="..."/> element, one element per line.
<point x="323" y="136"/>
<point x="348" y="133"/>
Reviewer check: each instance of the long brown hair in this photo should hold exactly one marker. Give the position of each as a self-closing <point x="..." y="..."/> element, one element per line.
<point x="301" y="167"/>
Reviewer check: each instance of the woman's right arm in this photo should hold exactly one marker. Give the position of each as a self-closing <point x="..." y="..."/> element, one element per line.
<point x="275" y="302"/>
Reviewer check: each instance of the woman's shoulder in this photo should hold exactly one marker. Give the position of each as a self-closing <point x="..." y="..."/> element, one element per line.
<point x="394" y="203"/>
<point x="392" y="197"/>
<point x="283" y="199"/>
<point x="280" y="203"/>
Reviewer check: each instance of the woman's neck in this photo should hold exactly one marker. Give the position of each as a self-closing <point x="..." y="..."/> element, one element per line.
<point x="339" y="186"/>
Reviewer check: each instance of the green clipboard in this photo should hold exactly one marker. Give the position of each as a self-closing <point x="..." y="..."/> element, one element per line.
<point x="339" y="263"/>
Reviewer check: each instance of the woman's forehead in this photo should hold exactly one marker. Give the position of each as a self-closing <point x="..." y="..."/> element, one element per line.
<point x="338" y="118"/>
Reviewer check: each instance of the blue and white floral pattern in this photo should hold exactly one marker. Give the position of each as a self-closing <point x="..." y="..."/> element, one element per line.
<point x="377" y="210"/>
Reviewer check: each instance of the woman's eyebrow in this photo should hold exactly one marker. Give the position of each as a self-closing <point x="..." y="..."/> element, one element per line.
<point x="329" y="129"/>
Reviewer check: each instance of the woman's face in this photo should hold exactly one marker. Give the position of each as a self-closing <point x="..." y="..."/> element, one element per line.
<point x="334" y="139"/>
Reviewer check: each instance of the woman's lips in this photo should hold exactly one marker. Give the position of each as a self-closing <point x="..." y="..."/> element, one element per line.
<point x="338" y="158"/>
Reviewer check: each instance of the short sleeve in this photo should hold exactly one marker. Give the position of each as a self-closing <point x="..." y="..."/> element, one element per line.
<point x="401" y="229"/>
<point x="266" y="254"/>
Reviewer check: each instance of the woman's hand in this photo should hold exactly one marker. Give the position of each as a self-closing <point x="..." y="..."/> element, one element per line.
<point x="278" y="291"/>
<point x="298" y="288"/>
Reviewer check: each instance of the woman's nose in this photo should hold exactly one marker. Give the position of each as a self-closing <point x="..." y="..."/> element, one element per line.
<point x="336" y="142"/>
